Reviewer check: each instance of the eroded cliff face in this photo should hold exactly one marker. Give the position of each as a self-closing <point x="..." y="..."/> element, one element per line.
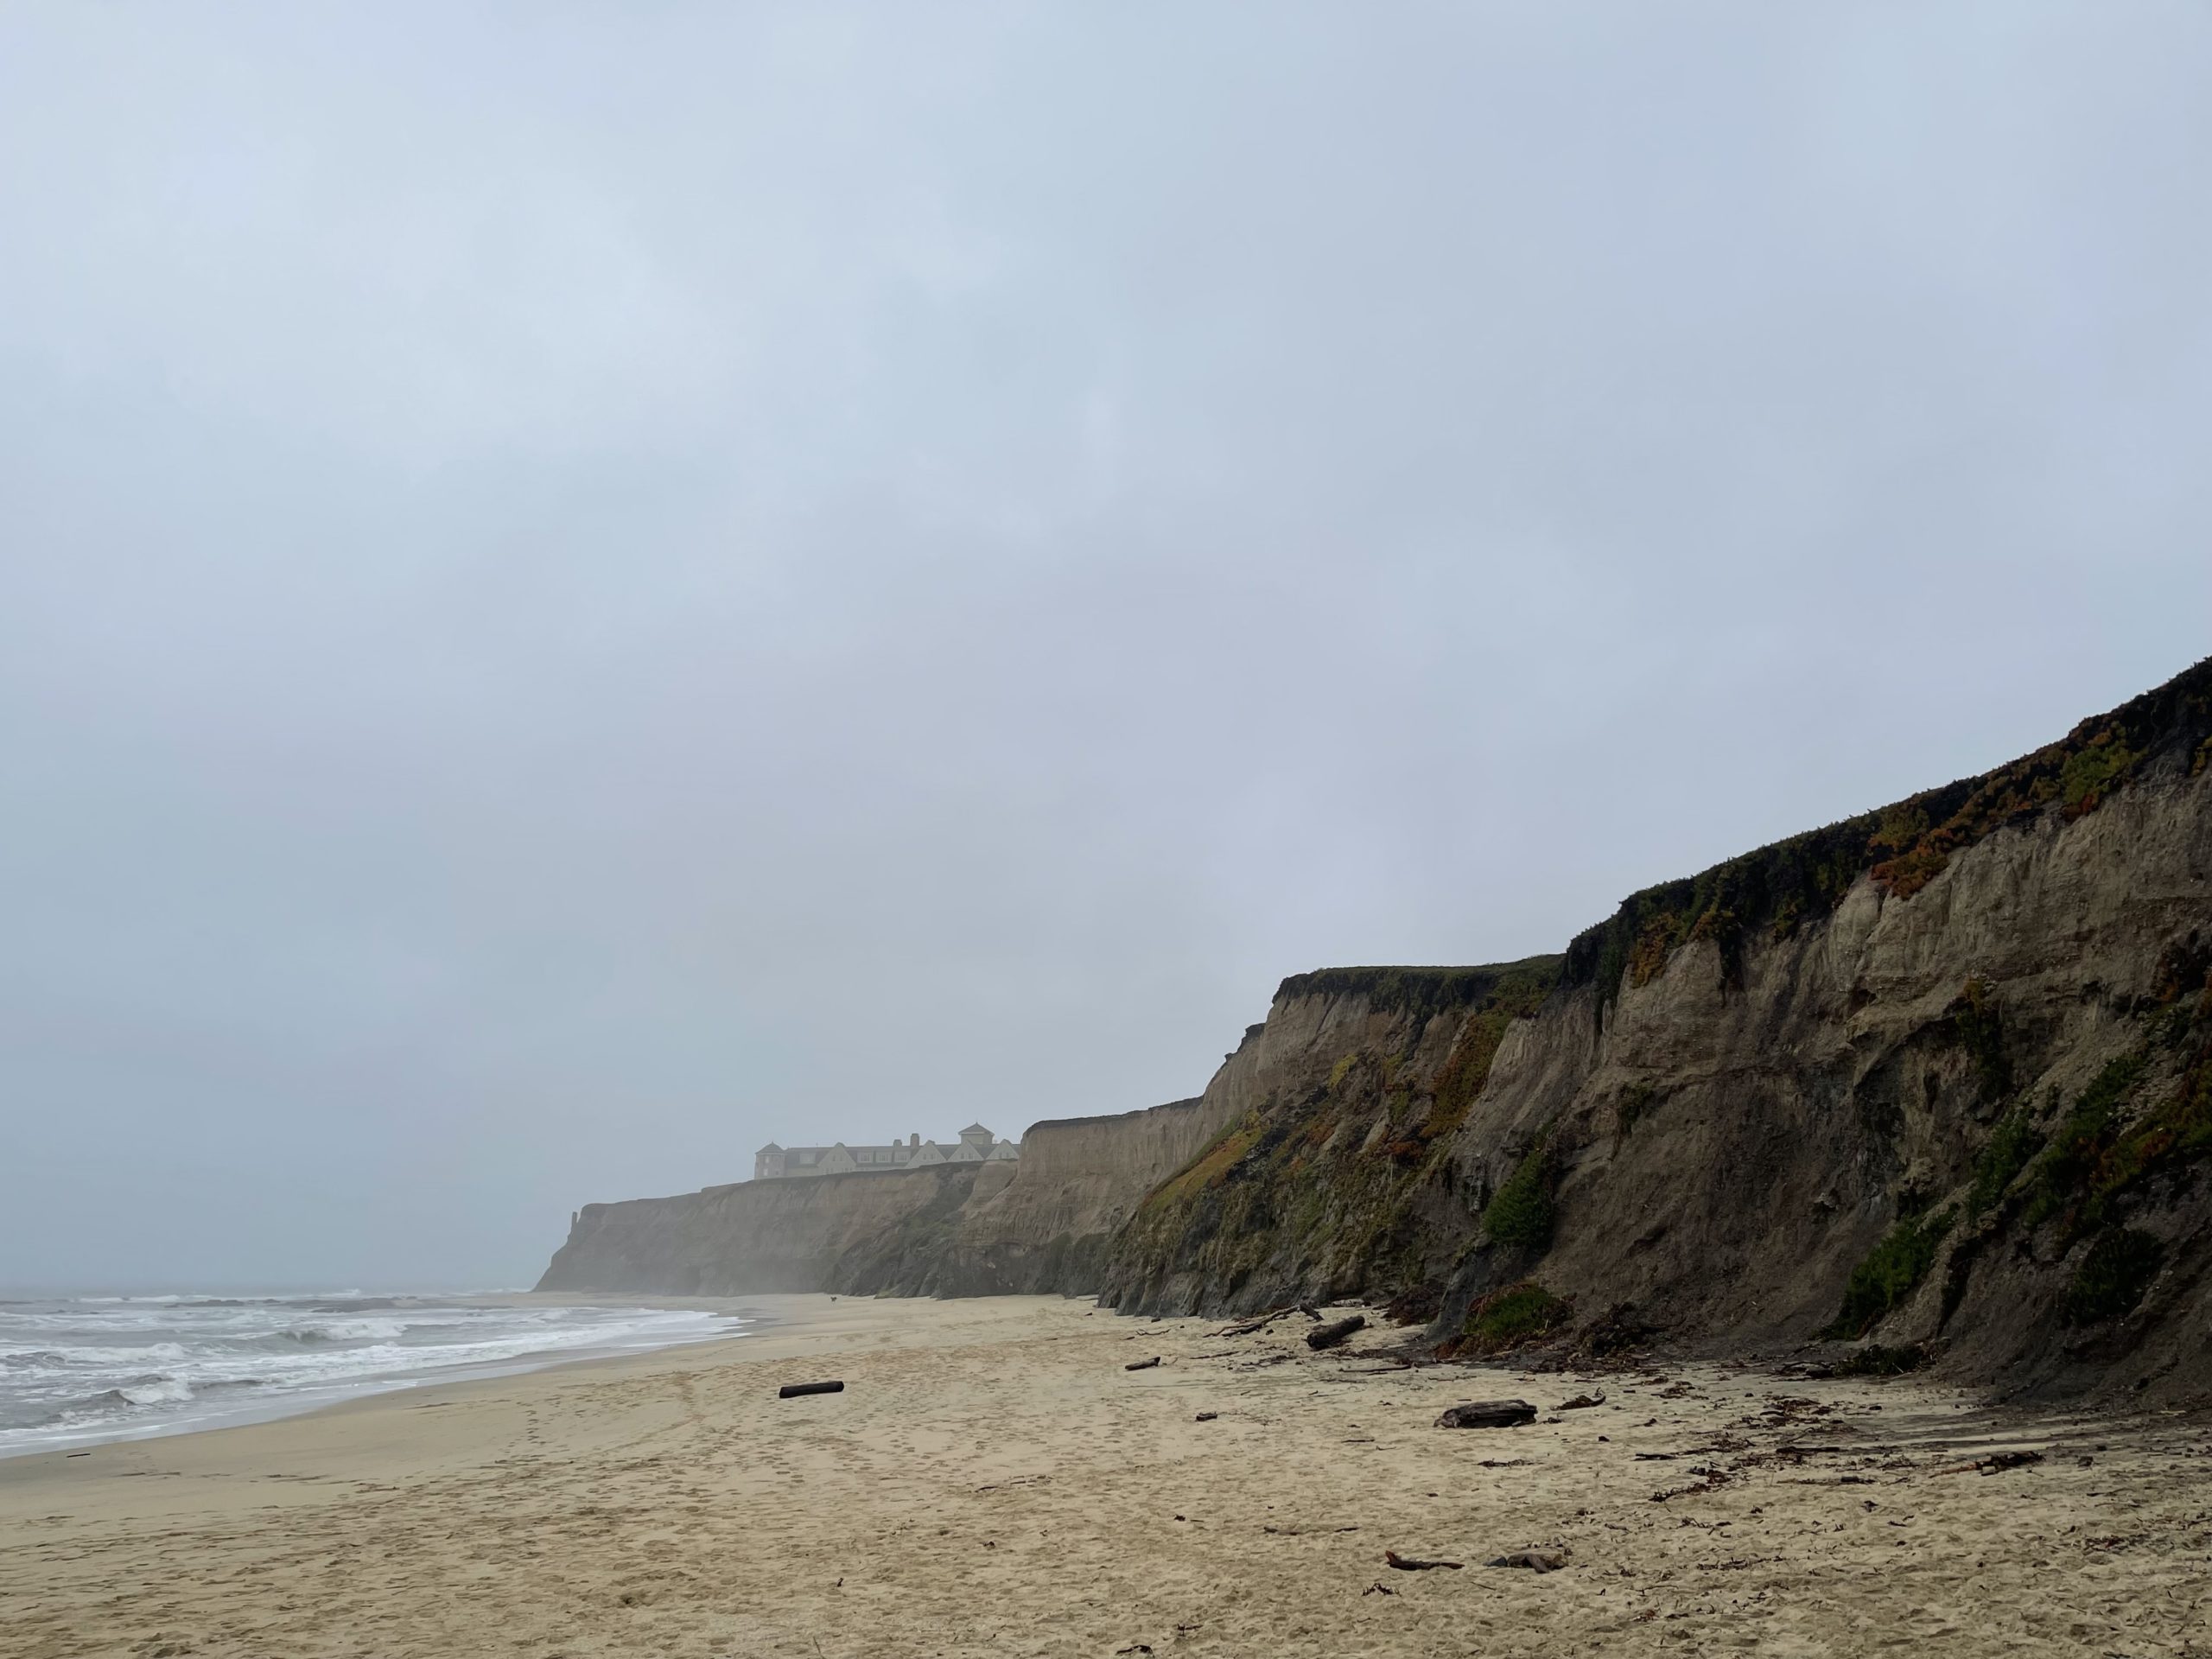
<point x="1960" y="1096"/>
<point x="1939" y="1077"/>
<point x="1045" y="1229"/>
<point x="1037" y="1226"/>
<point x="829" y="1232"/>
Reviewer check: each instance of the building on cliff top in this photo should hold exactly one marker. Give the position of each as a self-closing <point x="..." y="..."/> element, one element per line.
<point x="977" y="1145"/>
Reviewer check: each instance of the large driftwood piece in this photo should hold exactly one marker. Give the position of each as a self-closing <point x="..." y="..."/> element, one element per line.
<point x="789" y="1389"/>
<point x="1328" y="1336"/>
<point x="1488" y="1413"/>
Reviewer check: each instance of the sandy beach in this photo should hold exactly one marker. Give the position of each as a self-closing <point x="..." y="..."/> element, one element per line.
<point x="994" y="1481"/>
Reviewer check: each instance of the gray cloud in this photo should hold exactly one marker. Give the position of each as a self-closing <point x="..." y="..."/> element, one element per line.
<point x="580" y="589"/>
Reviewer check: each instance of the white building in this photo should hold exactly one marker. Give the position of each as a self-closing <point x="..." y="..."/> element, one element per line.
<point x="977" y="1145"/>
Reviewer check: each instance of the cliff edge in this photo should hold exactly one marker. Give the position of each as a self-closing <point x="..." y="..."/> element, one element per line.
<point x="1037" y="1226"/>
<point x="1931" y="1084"/>
<point x="1939" y="1077"/>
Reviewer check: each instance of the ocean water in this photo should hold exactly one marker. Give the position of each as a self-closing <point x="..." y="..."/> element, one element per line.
<point x="81" y="1370"/>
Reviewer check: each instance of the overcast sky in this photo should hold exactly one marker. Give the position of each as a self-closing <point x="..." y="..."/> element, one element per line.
<point x="584" y="587"/>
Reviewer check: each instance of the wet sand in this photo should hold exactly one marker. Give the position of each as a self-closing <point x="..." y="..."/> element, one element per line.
<point x="993" y="1481"/>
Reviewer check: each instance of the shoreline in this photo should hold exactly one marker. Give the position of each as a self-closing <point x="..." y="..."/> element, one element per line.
<point x="246" y="1409"/>
<point x="994" y="1480"/>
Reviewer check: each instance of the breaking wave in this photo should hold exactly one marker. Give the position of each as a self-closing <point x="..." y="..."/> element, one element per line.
<point x="84" y="1369"/>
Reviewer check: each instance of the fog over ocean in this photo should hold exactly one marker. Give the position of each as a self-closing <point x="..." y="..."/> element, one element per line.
<point x="77" y="1371"/>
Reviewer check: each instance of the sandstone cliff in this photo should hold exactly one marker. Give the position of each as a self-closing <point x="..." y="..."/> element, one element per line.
<point x="1038" y="1225"/>
<point x="1940" y="1076"/>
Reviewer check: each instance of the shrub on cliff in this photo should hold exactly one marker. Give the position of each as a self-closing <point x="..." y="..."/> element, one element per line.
<point x="1506" y="1318"/>
<point x="2114" y="1277"/>
<point x="1519" y="1215"/>
<point x="1891" y="1273"/>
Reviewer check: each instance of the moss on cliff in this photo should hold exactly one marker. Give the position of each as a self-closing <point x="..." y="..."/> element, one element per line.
<point x="2011" y="1146"/>
<point x="1979" y="1024"/>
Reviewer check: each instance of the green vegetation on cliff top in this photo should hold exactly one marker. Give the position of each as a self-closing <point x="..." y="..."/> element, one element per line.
<point x="1782" y="887"/>
<point x="1421" y="992"/>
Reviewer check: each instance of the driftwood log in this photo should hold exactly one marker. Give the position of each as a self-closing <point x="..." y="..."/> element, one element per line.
<point x="1141" y="1364"/>
<point x="1993" y="1464"/>
<point x="790" y="1389"/>
<point x="1328" y="1336"/>
<point x="1488" y="1413"/>
<point x="1260" y="1324"/>
<point x="1414" y="1564"/>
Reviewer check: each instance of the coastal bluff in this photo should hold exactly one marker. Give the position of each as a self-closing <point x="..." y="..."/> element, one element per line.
<point x="1039" y="1224"/>
<point x="1932" y="1083"/>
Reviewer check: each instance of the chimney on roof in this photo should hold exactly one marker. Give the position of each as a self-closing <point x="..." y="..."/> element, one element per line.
<point x="913" y="1139"/>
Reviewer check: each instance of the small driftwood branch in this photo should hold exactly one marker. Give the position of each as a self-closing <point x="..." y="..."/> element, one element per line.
<point x="1141" y="1364"/>
<point x="1260" y="1324"/>
<point x="1581" y="1402"/>
<point x="790" y="1389"/>
<point x="1414" y="1564"/>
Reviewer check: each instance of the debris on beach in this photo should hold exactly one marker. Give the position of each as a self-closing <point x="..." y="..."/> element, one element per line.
<point x="1536" y="1561"/>
<point x="1488" y="1414"/>
<point x="792" y="1389"/>
<point x="1994" y="1464"/>
<point x="1415" y="1564"/>
<point x="1330" y="1335"/>
<point x="1250" y="1326"/>
<point x="1141" y="1364"/>
<point x="1581" y="1402"/>
<point x="1208" y="1416"/>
